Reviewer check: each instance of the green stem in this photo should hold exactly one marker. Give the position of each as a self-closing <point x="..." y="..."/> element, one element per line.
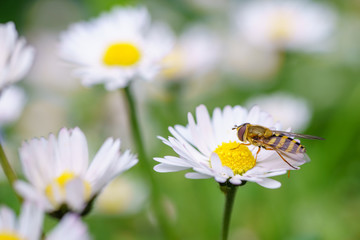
<point x="146" y="168"/>
<point x="9" y="172"/>
<point x="230" y="192"/>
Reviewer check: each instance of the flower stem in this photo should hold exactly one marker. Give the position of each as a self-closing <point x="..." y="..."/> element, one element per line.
<point x="147" y="169"/>
<point x="230" y="191"/>
<point x="9" y="172"/>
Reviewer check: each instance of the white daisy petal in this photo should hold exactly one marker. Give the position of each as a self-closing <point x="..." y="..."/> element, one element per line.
<point x="215" y="162"/>
<point x="173" y="161"/>
<point x="30" y="193"/>
<point x="196" y="175"/>
<point x="7" y="219"/>
<point x="269" y="183"/>
<point x="11" y="112"/>
<point x="168" y="168"/>
<point x="70" y="228"/>
<point x="235" y="181"/>
<point x="75" y="196"/>
<point x="30" y="221"/>
<point x="79" y="151"/>
<point x="220" y="179"/>
<point x="65" y="150"/>
<point x="100" y="166"/>
<point x="16" y="58"/>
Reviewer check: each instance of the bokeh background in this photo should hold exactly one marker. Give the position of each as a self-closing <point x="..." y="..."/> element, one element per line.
<point x="322" y="89"/>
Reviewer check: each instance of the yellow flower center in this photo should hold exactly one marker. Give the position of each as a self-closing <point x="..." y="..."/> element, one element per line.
<point x="281" y="26"/>
<point x="236" y="156"/>
<point x="9" y="236"/>
<point x="121" y="54"/>
<point x="61" y="182"/>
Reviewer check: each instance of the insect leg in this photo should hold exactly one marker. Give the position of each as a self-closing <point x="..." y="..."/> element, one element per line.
<point x="246" y="144"/>
<point x="257" y="153"/>
<point x="270" y="148"/>
<point x="286" y="161"/>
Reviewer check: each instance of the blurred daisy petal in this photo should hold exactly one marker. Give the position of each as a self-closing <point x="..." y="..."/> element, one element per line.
<point x="70" y="228"/>
<point x="16" y="57"/>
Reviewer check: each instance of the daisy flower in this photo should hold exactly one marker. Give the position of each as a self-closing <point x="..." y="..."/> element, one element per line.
<point x="212" y="149"/>
<point x="28" y="226"/>
<point x="15" y="56"/>
<point x="12" y="101"/>
<point x="196" y="52"/>
<point x="59" y="174"/>
<point x="292" y="25"/>
<point x="116" y="47"/>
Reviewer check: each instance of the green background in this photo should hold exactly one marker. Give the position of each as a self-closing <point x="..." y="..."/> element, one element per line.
<point x="321" y="201"/>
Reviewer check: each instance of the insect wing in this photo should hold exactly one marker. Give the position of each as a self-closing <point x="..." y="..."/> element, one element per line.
<point x="292" y="159"/>
<point x="297" y="135"/>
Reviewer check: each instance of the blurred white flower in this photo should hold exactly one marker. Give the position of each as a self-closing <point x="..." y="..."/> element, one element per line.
<point x="292" y="25"/>
<point x="12" y="100"/>
<point x="28" y="226"/>
<point x="122" y="196"/>
<point x="245" y="60"/>
<point x="59" y="174"/>
<point x="196" y="52"/>
<point x="212" y="149"/>
<point x="291" y="111"/>
<point x="15" y="57"/>
<point x="116" y="47"/>
<point x="70" y="228"/>
<point x="49" y="71"/>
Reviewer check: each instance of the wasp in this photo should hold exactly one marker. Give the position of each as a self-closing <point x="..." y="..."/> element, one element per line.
<point x="282" y="142"/>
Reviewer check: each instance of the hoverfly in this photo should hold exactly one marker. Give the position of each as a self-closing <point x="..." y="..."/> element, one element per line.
<point x="282" y="142"/>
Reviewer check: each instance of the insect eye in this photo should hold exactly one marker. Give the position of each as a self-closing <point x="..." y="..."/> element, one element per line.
<point x="241" y="133"/>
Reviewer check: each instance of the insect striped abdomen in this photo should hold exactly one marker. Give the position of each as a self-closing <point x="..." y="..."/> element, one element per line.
<point x="285" y="144"/>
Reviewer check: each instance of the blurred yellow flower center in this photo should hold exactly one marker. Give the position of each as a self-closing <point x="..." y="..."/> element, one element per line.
<point x="236" y="156"/>
<point x="173" y="63"/>
<point x="60" y="187"/>
<point x="117" y="197"/>
<point x="281" y="26"/>
<point x="9" y="236"/>
<point x="121" y="54"/>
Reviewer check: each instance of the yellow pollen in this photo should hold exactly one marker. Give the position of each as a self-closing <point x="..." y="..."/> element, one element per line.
<point x="236" y="156"/>
<point x="61" y="182"/>
<point x="9" y="236"/>
<point x="121" y="54"/>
